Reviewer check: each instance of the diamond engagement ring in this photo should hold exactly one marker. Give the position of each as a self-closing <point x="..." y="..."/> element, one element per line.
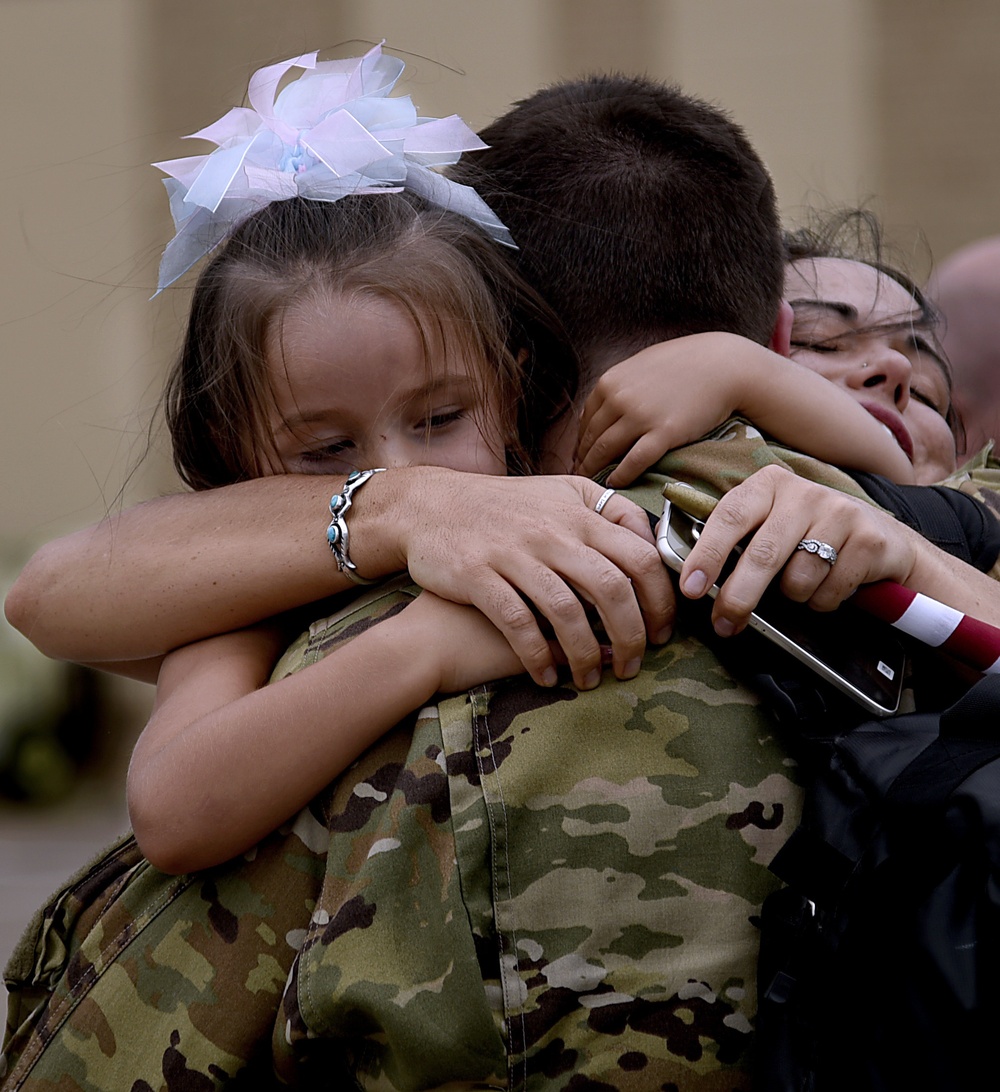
<point x="822" y="550"/>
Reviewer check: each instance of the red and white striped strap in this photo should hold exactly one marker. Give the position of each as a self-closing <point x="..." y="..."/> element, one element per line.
<point x="969" y="640"/>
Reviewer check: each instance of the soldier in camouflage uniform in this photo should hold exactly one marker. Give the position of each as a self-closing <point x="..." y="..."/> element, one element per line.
<point x="606" y="891"/>
<point x="215" y="930"/>
<point x="602" y="894"/>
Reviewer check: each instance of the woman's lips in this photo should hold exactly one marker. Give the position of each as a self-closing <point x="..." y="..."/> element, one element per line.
<point x="893" y="422"/>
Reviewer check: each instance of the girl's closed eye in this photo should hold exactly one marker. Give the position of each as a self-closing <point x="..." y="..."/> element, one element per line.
<point x="443" y="418"/>
<point x="324" y="457"/>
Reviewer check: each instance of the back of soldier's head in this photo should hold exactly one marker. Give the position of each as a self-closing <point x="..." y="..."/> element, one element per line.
<point x="641" y="213"/>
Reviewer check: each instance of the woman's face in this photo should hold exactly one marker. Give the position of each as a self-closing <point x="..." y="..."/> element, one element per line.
<point x="352" y="390"/>
<point x="862" y="330"/>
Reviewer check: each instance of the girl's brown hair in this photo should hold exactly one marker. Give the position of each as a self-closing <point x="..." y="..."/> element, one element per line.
<point x="452" y="280"/>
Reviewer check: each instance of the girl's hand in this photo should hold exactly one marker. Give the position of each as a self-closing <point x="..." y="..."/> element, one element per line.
<point x="663" y="397"/>
<point x="471" y="650"/>
<point x="674" y="393"/>
<point x="784" y="509"/>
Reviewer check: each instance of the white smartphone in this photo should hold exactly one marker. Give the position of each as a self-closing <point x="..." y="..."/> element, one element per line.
<point x="857" y="653"/>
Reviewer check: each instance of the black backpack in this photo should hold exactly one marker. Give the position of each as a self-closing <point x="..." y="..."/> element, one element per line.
<point x="880" y="959"/>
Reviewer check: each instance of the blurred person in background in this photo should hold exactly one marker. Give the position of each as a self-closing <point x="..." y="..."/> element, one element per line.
<point x="966" y="287"/>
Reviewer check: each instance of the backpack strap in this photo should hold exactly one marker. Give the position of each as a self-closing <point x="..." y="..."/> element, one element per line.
<point x="961" y="525"/>
<point x="885" y="879"/>
<point x="969" y="738"/>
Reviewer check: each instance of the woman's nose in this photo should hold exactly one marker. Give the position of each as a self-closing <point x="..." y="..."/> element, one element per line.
<point x="886" y="372"/>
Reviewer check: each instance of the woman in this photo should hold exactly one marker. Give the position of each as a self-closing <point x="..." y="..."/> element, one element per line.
<point x="867" y="327"/>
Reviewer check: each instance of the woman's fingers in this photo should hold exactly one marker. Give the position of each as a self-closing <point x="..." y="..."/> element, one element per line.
<point x="529" y="547"/>
<point x="648" y="576"/>
<point x="784" y="515"/>
<point x="616" y="569"/>
<point x="585" y="576"/>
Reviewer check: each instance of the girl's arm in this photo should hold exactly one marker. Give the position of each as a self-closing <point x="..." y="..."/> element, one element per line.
<point x="182" y="568"/>
<point x="673" y="393"/>
<point x="225" y="758"/>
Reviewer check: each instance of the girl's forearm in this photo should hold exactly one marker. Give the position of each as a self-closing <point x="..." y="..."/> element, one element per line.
<point x="205" y="785"/>
<point x="941" y="576"/>
<point x="807" y="412"/>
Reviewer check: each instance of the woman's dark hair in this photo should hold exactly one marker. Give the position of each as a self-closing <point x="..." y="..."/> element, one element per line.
<point x="452" y="281"/>
<point x="855" y="235"/>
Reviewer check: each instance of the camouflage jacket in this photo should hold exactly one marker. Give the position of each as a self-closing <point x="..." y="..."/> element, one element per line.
<point x="517" y="888"/>
<point x="576" y="909"/>
<point x="979" y="477"/>
<point x="548" y="888"/>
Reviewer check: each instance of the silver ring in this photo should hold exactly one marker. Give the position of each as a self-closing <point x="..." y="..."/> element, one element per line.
<point x="823" y="550"/>
<point x="603" y="500"/>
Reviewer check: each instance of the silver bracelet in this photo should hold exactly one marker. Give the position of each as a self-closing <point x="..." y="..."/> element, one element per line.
<point x="337" y="534"/>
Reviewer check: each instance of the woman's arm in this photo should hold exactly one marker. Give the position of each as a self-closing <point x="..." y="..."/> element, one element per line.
<point x="225" y="758"/>
<point x="673" y="393"/>
<point x="182" y="568"/>
<point x="780" y="510"/>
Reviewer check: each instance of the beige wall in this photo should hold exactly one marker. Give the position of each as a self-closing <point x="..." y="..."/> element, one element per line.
<point x="846" y="99"/>
<point x="938" y="89"/>
<point x="74" y="346"/>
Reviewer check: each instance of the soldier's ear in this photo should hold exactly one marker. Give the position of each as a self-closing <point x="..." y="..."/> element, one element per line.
<point x="781" y="338"/>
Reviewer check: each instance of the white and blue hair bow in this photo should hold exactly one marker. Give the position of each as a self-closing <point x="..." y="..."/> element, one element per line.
<point x="333" y="131"/>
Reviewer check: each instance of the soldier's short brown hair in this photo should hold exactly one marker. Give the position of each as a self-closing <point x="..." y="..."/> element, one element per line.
<point x="641" y="213"/>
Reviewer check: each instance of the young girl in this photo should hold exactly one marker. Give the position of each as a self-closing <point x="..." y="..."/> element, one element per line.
<point x="324" y="337"/>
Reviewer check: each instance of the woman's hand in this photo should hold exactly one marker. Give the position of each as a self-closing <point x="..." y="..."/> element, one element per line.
<point x="183" y="568"/>
<point x="516" y="546"/>
<point x="781" y="510"/>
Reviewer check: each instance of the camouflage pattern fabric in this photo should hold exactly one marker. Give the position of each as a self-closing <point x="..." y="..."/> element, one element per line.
<point x="129" y="979"/>
<point x="521" y="888"/>
<point x="980" y="478"/>
<point x="612" y="849"/>
<point x="697" y="475"/>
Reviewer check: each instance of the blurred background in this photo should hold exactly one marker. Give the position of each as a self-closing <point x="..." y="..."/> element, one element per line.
<point x="887" y="102"/>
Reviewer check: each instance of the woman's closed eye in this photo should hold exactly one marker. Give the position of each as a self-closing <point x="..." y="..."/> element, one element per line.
<point x="815" y="346"/>
<point x="822" y="334"/>
<point x="931" y="400"/>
